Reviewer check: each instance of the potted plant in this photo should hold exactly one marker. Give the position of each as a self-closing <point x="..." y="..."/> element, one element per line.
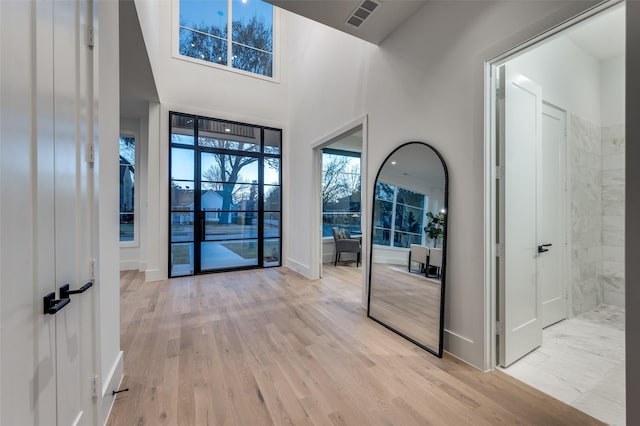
<point x="435" y="227"/>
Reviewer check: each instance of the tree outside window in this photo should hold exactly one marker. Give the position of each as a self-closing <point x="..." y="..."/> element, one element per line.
<point x="341" y="192"/>
<point x="127" y="187"/>
<point x="233" y="33"/>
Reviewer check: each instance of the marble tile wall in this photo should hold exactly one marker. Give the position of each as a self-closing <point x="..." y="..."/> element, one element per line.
<point x="585" y="180"/>
<point x="613" y="143"/>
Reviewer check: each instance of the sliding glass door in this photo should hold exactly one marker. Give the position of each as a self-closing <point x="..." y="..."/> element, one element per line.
<point x="225" y="196"/>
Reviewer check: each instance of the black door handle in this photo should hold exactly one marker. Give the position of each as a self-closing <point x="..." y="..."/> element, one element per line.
<point x="203" y="224"/>
<point x="542" y="249"/>
<point x="65" y="292"/>
<point x="52" y="305"/>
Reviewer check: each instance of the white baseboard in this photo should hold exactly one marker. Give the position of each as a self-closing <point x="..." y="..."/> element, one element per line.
<point x="154" y="275"/>
<point x="110" y="383"/>
<point x="129" y="265"/>
<point x="299" y="268"/>
<point x="463" y="348"/>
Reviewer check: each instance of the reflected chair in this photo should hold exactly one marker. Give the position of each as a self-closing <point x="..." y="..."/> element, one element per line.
<point x="435" y="261"/>
<point x="345" y="244"/>
<point x="418" y="254"/>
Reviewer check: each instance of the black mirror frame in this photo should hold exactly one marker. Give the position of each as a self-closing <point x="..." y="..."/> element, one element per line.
<point x="443" y="278"/>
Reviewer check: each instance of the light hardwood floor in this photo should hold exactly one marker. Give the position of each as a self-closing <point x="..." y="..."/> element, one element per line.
<point x="271" y="347"/>
<point x="408" y="302"/>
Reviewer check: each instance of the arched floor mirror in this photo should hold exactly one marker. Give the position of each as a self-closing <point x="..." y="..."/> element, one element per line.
<point x="409" y="245"/>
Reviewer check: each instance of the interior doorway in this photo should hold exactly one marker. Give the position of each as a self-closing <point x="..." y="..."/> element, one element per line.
<point x="341" y="197"/>
<point x="556" y="215"/>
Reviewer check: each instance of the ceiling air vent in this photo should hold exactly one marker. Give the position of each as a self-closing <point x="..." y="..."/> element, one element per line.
<point x="362" y="12"/>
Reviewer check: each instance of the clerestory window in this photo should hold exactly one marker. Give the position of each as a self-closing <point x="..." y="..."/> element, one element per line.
<point x="233" y="33"/>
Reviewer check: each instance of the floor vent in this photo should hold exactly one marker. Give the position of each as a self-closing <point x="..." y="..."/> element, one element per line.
<point x="362" y="12"/>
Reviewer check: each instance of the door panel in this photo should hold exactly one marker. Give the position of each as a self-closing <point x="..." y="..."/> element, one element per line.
<point x="551" y="215"/>
<point x="27" y="337"/>
<point x="521" y="299"/>
<point x="229" y="216"/>
<point x="70" y="203"/>
<point x="44" y="214"/>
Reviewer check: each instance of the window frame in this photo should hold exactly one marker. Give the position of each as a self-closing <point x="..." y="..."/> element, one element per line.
<point x="260" y="155"/>
<point x="332" y="151"/>
<point x="136" y="190"/>
<point x="175" y="48"/>
<point x="393" y="230"/>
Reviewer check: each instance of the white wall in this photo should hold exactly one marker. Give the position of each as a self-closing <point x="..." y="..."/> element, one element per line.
<point x="106" y="202"/>
<point x="612" y="84"/>
<point x="326" y="87"/>
<point x="425" y="82"/>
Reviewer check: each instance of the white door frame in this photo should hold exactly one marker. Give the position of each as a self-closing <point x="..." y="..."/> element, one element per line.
<point x="491" y="174"/>
<point x="316" y="210"/>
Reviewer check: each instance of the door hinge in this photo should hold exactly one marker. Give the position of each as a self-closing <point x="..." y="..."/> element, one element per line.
<point x="91" y="153"/>
<point x="500" y="93"/>
<point x="92" y="269"/>
<point x="500" y="172"/>
<point x="90" y="37"/>
<point x="94" y="386"/>
<point x="499" y="328"/>
<point x="499" y="250"/>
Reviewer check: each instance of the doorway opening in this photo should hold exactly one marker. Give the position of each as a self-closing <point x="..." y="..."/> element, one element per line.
<point x="556" y="213"/>
<point x="340" y="201"/>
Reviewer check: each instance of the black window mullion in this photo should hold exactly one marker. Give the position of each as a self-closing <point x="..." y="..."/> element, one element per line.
<point x="261" y="201"/>
<point x="199" y="218"/>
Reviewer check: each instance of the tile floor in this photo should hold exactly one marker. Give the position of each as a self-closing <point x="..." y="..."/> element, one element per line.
<point x="581" y="362"/>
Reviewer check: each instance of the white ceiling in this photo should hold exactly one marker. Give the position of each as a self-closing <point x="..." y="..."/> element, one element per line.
<point x="417" y="163"/>
<point x="602" y="36"/>
<point x="389" y="15"/>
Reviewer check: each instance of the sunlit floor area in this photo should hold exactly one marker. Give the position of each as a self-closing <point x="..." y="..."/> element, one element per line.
<point x="581" y="362"/>
<point x="269" y="346"/>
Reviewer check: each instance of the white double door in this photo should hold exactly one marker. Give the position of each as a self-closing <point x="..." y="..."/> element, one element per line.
<point x="533" y="278"/>
<point x="47" y="123"/>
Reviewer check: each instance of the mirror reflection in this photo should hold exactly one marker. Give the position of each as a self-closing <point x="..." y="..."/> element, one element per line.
<point x="408" y="256"/>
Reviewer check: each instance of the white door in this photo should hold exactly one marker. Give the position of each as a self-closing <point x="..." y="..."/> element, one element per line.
<point x="44" y="211"/>
<point x="551" y="204"/>
<point x="72" y="110"/>
<point x="521" y="299"/>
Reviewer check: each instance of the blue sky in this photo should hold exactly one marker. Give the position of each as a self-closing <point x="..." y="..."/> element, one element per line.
<point x="194" y="12"/>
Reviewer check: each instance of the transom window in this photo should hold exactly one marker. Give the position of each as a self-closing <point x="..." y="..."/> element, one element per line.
<point x="233" y="33"/>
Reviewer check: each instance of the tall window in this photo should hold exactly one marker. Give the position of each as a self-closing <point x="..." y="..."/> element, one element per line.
<point x="340" y="191"/>
<point x="233" y="33"/>
<point x="398" y="216"/>
<point x="127" y="187"/>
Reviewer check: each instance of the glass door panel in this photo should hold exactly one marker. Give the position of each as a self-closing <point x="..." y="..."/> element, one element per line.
<point x="228" y="254"/>
<point x="225" y="196"/>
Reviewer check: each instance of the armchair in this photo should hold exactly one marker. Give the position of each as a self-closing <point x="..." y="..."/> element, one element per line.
<point x="345" y="244"/>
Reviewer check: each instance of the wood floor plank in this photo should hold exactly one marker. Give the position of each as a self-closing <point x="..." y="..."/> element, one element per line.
<point x="269" y="347"/>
